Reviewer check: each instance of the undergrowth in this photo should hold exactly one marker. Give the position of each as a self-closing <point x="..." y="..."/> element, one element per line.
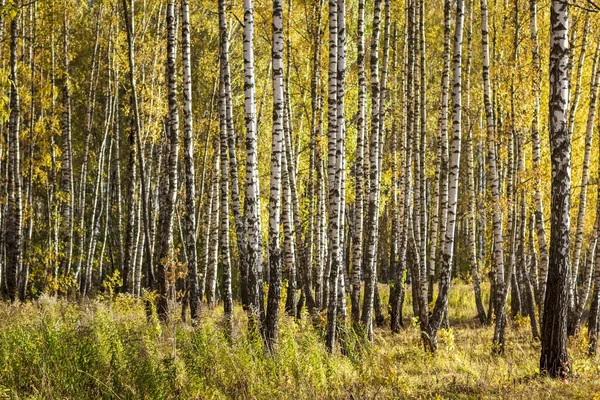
<point x="105" y="349"/>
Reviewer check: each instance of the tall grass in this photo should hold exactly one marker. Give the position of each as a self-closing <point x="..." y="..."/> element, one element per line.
<point x="105" y="349"/>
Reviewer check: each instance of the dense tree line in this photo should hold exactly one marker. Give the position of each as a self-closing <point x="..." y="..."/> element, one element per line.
<point x="421" y="143"/>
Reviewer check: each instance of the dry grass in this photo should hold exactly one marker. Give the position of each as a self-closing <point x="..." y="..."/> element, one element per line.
<point x="51" y="349"/>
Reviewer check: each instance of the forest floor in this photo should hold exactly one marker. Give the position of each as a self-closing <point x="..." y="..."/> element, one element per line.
<point x="53" y="349"/>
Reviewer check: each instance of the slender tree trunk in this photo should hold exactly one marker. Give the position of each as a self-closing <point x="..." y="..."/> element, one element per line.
<point x="471" y="222"/>
<point x="118" y="183"/>
<point x="225" y="260"/>
<point x="233" y="166"/>
<point x="574" y="101"/>
<point x="441" y="304"/>
<point x="105" y="209"/>
<point x="169" y="186"/>
<point x="357" y="239"/>
<point x="536" y="156"/>
<point x="81" y="205"/>
<point x="252" y="197"/>
<point x="274" y="296"/>
<point x="315" y="125"/>
<point x="511" y="185"/>
<point x="438" y="244"/>
<point x="591" y="260"/>
<point x="334" y="256"/>
<point x="213" y="234"/>
<point x="373" y="199"/>
<point x="86" y="278"/>
<point x="190" y="174"/>
<point x="526" y="285"/>
<point x="554" y="358"/>
<point x="397" y="271"/>
<point x="14" y="231"/>
<point x="33" y="118"/>
<point x="132" y="206"/>
<point x="145" y="192"/>
<point x="66" y="180"/>
<point x="321" y="243"/>
<point x="422" y="150"/>
<point x="416" y="239"/>
<point x="289" y="251"/>
<point x="532" y="257"/>
<point x="498" y="251"/>
<point x="290" y="164"/>
<point x="340" y="170"/>
<point x="405" y="180"/>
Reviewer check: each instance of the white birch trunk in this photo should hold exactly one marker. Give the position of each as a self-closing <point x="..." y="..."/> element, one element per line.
<point x="441" y="304"/>
<point x="252" y="197"/>
<point x="274" y="296"/>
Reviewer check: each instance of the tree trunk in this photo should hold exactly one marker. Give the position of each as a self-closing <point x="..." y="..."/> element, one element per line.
<point x="190" y="174"/>
<point x="233" y="166"/>
<point x="145" y="192"/>
<point x="81" y="204"/>
<point x="252" y="197"/>
<point x="554" y="358"/>
<point x="225" y="260"/>
<point x="441" y="304"/>
<point x="340" y="170"/>
<point x="289" y="250"/>
<point x="357" y="239"/>
<point x="274" y="296"/>
<point x="591" y="259"/>
<point x="498" y="251"/>
<point x="302" y="264"/>
<point x="526" y="286"/>
<point x="471" y="222"/>
<point x="169" y="186"/>
<point x="574" y="102"/>
<point x="66" y="179"/>
<point x="314" y="166"/>
<point x="373" y="199"/>
<point x="14" y="231"/>
<point x="212" y="235"/>
<point x="438" y="244"/>
<point x="536" y="155"/>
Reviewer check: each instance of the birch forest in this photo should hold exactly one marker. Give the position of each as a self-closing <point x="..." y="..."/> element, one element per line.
<point x="342" y="199"/>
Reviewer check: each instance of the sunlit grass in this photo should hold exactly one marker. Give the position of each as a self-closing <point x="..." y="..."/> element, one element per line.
<point x="52" y="349"/>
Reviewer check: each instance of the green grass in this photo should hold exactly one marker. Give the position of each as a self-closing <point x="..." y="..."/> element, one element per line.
<point x="51" y="349"/>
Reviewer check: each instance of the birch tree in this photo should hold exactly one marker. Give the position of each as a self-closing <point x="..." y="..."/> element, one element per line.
<point x="66" y="179"/>
<point x="252" y="195"/>
<point x="442" y="212"/>
<point x="493" y="179"/>
<point x="441" y="304"/>
<point x="357" y="239"/>
<point x="169" y="182"/>
<point x="213" y="234"/>
<point x="314" y="166"/>
<point x="333" y="231"/>
<point x="190" y="173"/>
<point x="554" y="357"/>
<point x="274" y="296"/>
<point x="136" y="136"/>
<point x="14" y="232"/>
<point x="471" y="172"/>
<point x="536" y="154"/>
<point x="373" y="195"/>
